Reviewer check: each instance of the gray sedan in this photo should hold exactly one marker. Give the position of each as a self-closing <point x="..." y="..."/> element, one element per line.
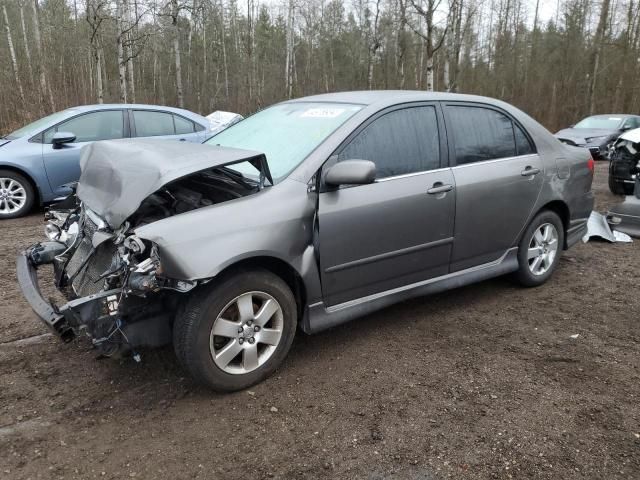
<point x="38" y="160"/>
<point x="306" y="215"/>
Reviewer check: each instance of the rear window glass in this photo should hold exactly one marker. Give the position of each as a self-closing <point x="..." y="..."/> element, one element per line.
<point x="153" y="124"/>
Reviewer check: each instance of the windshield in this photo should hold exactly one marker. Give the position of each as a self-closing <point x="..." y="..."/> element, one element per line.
<point x="607" y="123"/>
<point x="39" y="124"/>
<point x="285" y="133"/>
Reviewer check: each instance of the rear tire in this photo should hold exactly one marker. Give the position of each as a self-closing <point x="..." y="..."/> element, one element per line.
<point x="540" y="248"/>
<point x="17" y="196"/>
<point x="236" y="332"/>
<point x="619" y="188"/>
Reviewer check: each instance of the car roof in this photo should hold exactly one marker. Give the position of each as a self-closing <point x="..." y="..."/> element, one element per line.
<point x="372" y="97"/>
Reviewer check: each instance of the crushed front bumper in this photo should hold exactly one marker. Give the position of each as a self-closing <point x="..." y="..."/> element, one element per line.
<point x="64" y="321"/>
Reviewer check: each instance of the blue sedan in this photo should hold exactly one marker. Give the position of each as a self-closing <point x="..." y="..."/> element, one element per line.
<point x="39" y="160"/>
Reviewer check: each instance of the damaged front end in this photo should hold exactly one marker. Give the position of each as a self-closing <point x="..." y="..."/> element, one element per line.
<point x="117" y="292"/>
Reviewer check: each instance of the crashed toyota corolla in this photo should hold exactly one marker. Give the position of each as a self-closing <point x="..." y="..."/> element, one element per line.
<point x="310" y="213"/>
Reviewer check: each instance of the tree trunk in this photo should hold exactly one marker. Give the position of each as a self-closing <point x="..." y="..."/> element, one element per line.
<point x="45" y="89"/>
<point x="12" y="53"/>
<point x="597" y="49"/>
<point x="289" y="52"/>
<point x="129" y="50"/>
<point x="122" y="66"/>
<point x="27" y="51"/>
<point x="176" y="51"/>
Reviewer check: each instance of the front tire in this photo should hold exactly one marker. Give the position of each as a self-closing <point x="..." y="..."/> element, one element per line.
<point x="539" y="249"/>
<point x="235" y="333"/>
<point x="16" y="195"/>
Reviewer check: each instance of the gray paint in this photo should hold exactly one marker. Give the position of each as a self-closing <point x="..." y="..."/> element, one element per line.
<point x="383" y="242"/>
<point x="117" y="175"/>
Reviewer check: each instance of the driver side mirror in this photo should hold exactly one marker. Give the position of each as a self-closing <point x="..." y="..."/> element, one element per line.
<point x="351" y="172"/>
<point x="60" y="138"/>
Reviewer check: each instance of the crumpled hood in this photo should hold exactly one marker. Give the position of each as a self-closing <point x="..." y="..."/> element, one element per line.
<point x="117" y="175"/>
<point x="579" y="135"/>
<point x="632" y="136"/>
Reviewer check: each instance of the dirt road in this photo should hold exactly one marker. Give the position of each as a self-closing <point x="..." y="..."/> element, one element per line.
<point x="481" y="382"/>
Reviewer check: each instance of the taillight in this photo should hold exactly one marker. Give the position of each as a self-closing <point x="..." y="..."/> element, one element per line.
<point x="591" y="164"/>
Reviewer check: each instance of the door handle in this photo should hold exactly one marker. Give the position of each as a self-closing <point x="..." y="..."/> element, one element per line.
<point x="529" y="171"/>
<point x="439" y="187"/>
<point x="183" y="139"/>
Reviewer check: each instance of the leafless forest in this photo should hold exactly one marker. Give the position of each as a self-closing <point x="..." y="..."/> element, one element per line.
<point x="241" y="55"/>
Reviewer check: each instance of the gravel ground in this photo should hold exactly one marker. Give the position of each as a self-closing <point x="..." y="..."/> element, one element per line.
<point x="481" y="382"/>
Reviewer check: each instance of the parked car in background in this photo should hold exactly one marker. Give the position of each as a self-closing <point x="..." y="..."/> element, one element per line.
<point x="624" y="159"/>
<point x="38" y="160"/>
<point x="309" y="213"/>
<point x="598" y="132"/>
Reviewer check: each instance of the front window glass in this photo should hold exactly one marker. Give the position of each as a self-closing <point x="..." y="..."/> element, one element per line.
<point x="91" y="127"/>
<point x="608" y="123"/>
<point x="399" y="142"/>
<point x="36" y="126"/>
<point x="285" y="133"/>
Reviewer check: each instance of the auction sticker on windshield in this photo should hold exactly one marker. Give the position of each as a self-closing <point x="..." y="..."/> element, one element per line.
<point x="322" y="113"/>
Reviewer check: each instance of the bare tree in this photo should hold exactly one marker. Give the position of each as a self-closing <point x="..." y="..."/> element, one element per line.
<point x="45" y="88"/>
<point x="12" y="53"/>
<point x="427" y="9"/>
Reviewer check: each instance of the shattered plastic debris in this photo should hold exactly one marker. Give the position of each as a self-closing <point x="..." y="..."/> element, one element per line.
<point x="598" y="227"/>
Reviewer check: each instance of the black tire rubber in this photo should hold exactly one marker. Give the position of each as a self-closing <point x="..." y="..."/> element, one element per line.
<point x="524" y="275"/>
<point x="619" y="188"/>
<point x="30" y="193"/>
<point x="192" y="328"/>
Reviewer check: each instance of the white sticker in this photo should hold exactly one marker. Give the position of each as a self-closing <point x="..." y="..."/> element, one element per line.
<point x="322" y="113"/>
<point x="615" y="118"/>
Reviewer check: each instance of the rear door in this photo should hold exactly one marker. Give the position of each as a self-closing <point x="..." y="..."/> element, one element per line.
<point x="398" y="230"/>
<point x="498" y="177"/>
<point x="63" y="164"/>
<point x="164" y="125"/>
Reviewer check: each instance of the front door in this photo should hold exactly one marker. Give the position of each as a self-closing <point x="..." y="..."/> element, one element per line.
<point x="63" y="164"/>
<point x="498" y="177"/>
<point x="398" y="230"/>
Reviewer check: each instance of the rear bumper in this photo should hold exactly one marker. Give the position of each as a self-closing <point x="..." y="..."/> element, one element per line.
<point x="64" y="320"/>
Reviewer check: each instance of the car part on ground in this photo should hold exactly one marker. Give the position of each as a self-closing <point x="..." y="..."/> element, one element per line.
<point x="600" y="226"/>
<point x="224" y="251"/>
<point x="624" y="164"/>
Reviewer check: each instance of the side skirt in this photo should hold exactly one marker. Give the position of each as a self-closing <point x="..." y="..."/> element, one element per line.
<point x="319" y="317"/>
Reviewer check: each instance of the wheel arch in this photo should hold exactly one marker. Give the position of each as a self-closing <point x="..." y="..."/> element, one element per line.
<point x="279" y="268"/>
<point x="28" y="177"/>
<point x="561" y="209"/>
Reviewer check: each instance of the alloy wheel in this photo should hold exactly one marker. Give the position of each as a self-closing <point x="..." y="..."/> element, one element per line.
<point x="246" y="333"/>
<point x="13" y="195"/>
<point x="543" y="249"/>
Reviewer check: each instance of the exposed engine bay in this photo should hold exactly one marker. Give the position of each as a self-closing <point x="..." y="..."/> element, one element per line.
<point x="114" y="280"/>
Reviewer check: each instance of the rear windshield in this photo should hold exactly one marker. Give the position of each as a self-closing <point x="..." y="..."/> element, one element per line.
<point x="608" y="123"/>
<point x="285" y="133"/>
